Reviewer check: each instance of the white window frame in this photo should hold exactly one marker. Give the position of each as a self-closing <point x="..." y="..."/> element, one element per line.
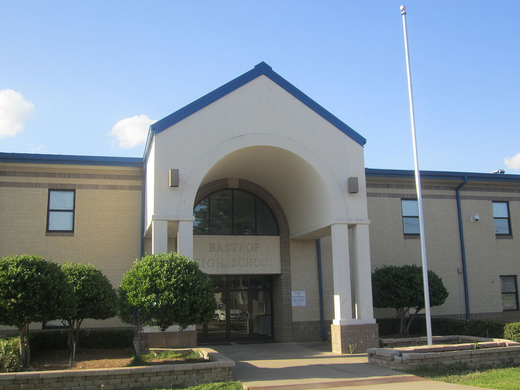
<point x="51" y="210"/>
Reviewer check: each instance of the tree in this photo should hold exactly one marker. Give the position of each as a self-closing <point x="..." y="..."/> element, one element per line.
<point x="95" y="297"/>
<point x="32" y="289"/>
<point x="402" y="288"/>
<point x="166" y="289"/>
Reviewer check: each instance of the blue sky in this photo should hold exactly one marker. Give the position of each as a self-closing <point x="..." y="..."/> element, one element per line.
<point x="76" y="74"/>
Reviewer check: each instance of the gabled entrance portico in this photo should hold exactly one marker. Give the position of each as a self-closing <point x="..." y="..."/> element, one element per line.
<point x="304" y="164"/>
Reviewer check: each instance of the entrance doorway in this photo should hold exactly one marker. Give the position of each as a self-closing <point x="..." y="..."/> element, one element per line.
<point x="244" y="310"/>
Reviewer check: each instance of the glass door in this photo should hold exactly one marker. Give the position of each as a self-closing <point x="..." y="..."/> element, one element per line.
<point x="243" y="312"/>
<point x="261" y="317"/>
<point x="239" y="313"/>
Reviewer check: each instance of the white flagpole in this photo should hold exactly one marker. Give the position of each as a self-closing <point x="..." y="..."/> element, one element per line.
<point x="418" y="188"/>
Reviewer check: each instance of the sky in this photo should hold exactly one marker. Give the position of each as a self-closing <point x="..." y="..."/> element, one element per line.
<point x="88" y="77"/>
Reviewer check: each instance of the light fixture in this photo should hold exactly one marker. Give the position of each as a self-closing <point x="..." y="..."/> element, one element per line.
<point x="174" y="177"/>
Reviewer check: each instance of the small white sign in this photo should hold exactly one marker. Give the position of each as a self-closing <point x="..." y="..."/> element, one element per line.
<point x="298" y="298"/>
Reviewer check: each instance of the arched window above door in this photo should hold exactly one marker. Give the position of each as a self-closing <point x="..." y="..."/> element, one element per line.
<point x="233" y="212"/>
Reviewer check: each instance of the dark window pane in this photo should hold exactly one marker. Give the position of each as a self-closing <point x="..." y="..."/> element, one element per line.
<point x="219" y="282"/>
<point x="238" y="282"/>
<point x="201" y="214"/>
<point x="265" y="222"/>
<point x="508" y="283"/>
<point x="220" y="213"/>
<point x="411" y="225"/>
<point x="233" y="212"/>
<point x="509" y="302"/>
<point x="243" y="213"/>
<point x="256" y="281"/>
<point x="501" y="226"/>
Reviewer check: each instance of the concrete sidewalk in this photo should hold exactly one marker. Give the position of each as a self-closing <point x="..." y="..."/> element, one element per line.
<point x="312" y="365"/>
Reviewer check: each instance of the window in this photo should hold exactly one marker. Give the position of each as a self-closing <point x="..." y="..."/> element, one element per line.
<point x="509" y="291"/>
<point x="60" y="217"/>
<point x="410" y="216"/>
<point x="233" y="212"/>
<point x="501" y="217"/>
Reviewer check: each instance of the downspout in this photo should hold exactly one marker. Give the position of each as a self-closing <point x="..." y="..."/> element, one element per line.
<point x="143" y="205"/>
<point x="320" y="288"/>
<point x="463" y="248"/>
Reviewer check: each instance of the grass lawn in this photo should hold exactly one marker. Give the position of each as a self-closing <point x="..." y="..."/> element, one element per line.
<point x="493" y="378"/>
<point x="211" y="386"/>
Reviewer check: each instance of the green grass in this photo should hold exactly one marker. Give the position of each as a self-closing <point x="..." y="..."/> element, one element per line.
<point x="176" y="357"/>
<point x="506" y="378"/>
<point x="211" y="386"/>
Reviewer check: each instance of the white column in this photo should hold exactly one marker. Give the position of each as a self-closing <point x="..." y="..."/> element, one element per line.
<point x="362" y="274"/>
<point x="341" y="272"/>
<point x="159" y="237"/>
<point x="185" y="239"/>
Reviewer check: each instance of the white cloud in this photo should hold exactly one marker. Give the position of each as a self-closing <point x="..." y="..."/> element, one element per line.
<point x="35" y="148"/>
<point x="133" y="131"/>
<point x="14" y="112"/>
<point x="513" y="162"/>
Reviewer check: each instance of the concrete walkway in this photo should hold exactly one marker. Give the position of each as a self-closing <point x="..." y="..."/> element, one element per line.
<point x="295" y="366"/>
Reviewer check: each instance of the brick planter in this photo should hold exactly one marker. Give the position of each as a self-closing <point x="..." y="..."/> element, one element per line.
<point x="218" y="369"/>
<point x="471" y="351"/>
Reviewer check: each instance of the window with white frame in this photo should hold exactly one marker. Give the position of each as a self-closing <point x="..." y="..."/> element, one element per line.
<point x="60" y="216"/>
<point x="410" y="213"/>
<point x="509" y="290"/>
<point x="502" y="218"/>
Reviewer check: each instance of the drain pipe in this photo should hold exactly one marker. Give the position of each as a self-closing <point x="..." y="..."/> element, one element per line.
<point x="320" y="287"/>
<point x="463" y="248"/>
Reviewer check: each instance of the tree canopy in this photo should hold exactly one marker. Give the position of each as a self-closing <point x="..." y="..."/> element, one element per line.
<point x="166" y="289"/>
<point x="402" y="288"/>
<point x="95" y="297"/>
<point x="32" y="289"/>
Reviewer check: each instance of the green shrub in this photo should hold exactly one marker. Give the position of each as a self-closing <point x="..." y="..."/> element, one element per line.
<point x="90" y="339"/>
<point x="448" y="327"/>
<point x="512" y="331"/>
<point x="107" y="339"/>
<point x="10" y="355"/>
<point x="388" y="326"/>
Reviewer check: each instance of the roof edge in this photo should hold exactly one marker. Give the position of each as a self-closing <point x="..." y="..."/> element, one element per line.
<point x="442" y="175"/>
<point x="34" y="158"/>
<point x="261" y="69"/>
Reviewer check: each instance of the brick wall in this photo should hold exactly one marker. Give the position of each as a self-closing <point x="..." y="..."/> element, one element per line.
<point x="490" y="352"/>
<point x="107" y="220"/>
<point x="218" y="369"/>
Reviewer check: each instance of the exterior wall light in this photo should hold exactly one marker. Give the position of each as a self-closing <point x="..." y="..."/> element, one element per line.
<point x="353" y="185"/>
<point x="174" y="177"/>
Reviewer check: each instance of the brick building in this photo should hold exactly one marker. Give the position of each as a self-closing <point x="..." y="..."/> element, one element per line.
<point x="268" y="192"/>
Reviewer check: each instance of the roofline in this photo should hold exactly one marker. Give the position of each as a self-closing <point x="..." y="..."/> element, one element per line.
<point x="261" y="69"/>
<point x="33" y="158"/>
<point x="442" y="175"/>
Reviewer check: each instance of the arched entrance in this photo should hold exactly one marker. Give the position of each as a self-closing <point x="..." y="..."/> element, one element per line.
<point x="240" y="234"/>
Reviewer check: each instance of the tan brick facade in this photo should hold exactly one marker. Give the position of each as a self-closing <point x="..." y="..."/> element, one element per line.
<point x="107" y="220"/>
<point x="487" y="256"/>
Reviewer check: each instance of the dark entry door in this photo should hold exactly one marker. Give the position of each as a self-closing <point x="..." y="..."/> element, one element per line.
<point x="244" y="310"/>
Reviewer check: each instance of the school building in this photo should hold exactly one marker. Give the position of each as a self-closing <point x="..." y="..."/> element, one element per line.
<point x="269" y="193"/>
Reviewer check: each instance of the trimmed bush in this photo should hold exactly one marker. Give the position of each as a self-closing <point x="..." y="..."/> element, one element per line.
<point x="388" y="326"/>
<point x="447" y="327"/>
<point x="48" y="340"/>
<point x="512" y="331"/>
<point x="9" y="355"/>
<point x="90" y="339"/>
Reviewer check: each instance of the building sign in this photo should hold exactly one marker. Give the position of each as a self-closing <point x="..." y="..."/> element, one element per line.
<point x="237" y="255"/>
<point x="298" y="298"/>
